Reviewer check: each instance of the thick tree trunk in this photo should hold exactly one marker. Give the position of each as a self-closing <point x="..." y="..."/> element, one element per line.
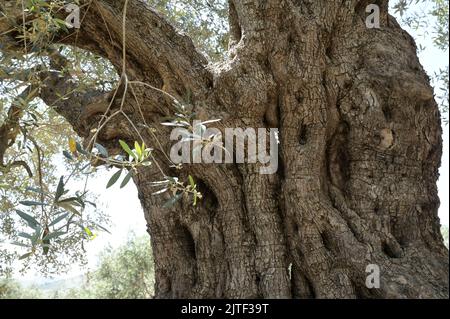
<point x="360" y="148"/>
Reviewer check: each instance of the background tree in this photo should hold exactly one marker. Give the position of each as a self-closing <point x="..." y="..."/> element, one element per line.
<point x="360" y="144"/>
<point x="124" y="273"/>
<point x="10" y="289"/>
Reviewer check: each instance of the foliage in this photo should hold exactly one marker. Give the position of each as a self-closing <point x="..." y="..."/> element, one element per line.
<point x="62" y="224"/>
<point x="124" y="273"/>
<point x="419" y="18"/>
<point x="11" y="289"/>
<point x="204" y="20"/>
<point x="430" y="18"/>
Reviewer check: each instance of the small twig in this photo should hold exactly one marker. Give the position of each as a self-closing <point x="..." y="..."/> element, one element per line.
<point x="24" y="165"/>
<point x="41" y="182"/>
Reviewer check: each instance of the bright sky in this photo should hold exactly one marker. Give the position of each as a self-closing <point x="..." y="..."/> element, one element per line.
<point x="126" y="214"/>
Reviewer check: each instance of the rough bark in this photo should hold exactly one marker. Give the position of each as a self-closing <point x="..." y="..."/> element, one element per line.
<point x="360" y="148"/>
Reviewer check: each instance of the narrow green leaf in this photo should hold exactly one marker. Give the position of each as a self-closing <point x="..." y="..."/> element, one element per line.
<point x="114" y="178"/>
<point x="37" y="235"/>
<point x="137" y="147"/>
<point x="191" y="181"/>
<point x="31" y="203"/>
<point x="54" y="235"/>
<point x="91" y="203"/>
<point x="46" y="246"/>
<point x="69" y="208"/>
<point x="103" y="228"/>
<point x="102" y="150"/>
<point x="88" y="232"/>
<point x="126" y="179"/>
<point x="60" y="23"/>
<point x="25" y="256"/>
<point x="80" y="149"/>
<point x="35" y="190"/>
<point x="67" y="155"/>
<point x="16" y="243"/>
<point x="59" y="189"/>
<point x="127" y="149"/>
<point x="31" y="221"/>
<point x="68" y="200"/>
<point x="25" y="235"/>
<point x="195" y="199"/>
<point x="58" y="219"/>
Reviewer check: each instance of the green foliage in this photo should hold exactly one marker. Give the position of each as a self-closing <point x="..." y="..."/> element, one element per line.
<point x="60" y="214"/>
<point x="178" y="190"/>
<point x="420" y="18"/>
<point x="11" y="289"/>
<point x="430" y="18"/>
<point x="43" y="134"/>
<point x="205" y="21"/>
<point x="124" y="273"/>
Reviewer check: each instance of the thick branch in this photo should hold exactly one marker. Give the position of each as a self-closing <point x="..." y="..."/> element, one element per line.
<point x="156" y="54"/>
<point x="11" y="127"/>
<point x="155" y="51"/>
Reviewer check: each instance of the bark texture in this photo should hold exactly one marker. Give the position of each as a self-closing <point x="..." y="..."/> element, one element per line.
<point x="360" y="148"/>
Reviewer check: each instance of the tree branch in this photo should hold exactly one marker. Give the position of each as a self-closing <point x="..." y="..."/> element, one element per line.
<point x="155" y="51"/>
<point x="11" y="127"/>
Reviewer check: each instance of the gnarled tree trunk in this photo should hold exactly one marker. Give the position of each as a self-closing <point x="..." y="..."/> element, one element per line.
<point x="360" y="148"/>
